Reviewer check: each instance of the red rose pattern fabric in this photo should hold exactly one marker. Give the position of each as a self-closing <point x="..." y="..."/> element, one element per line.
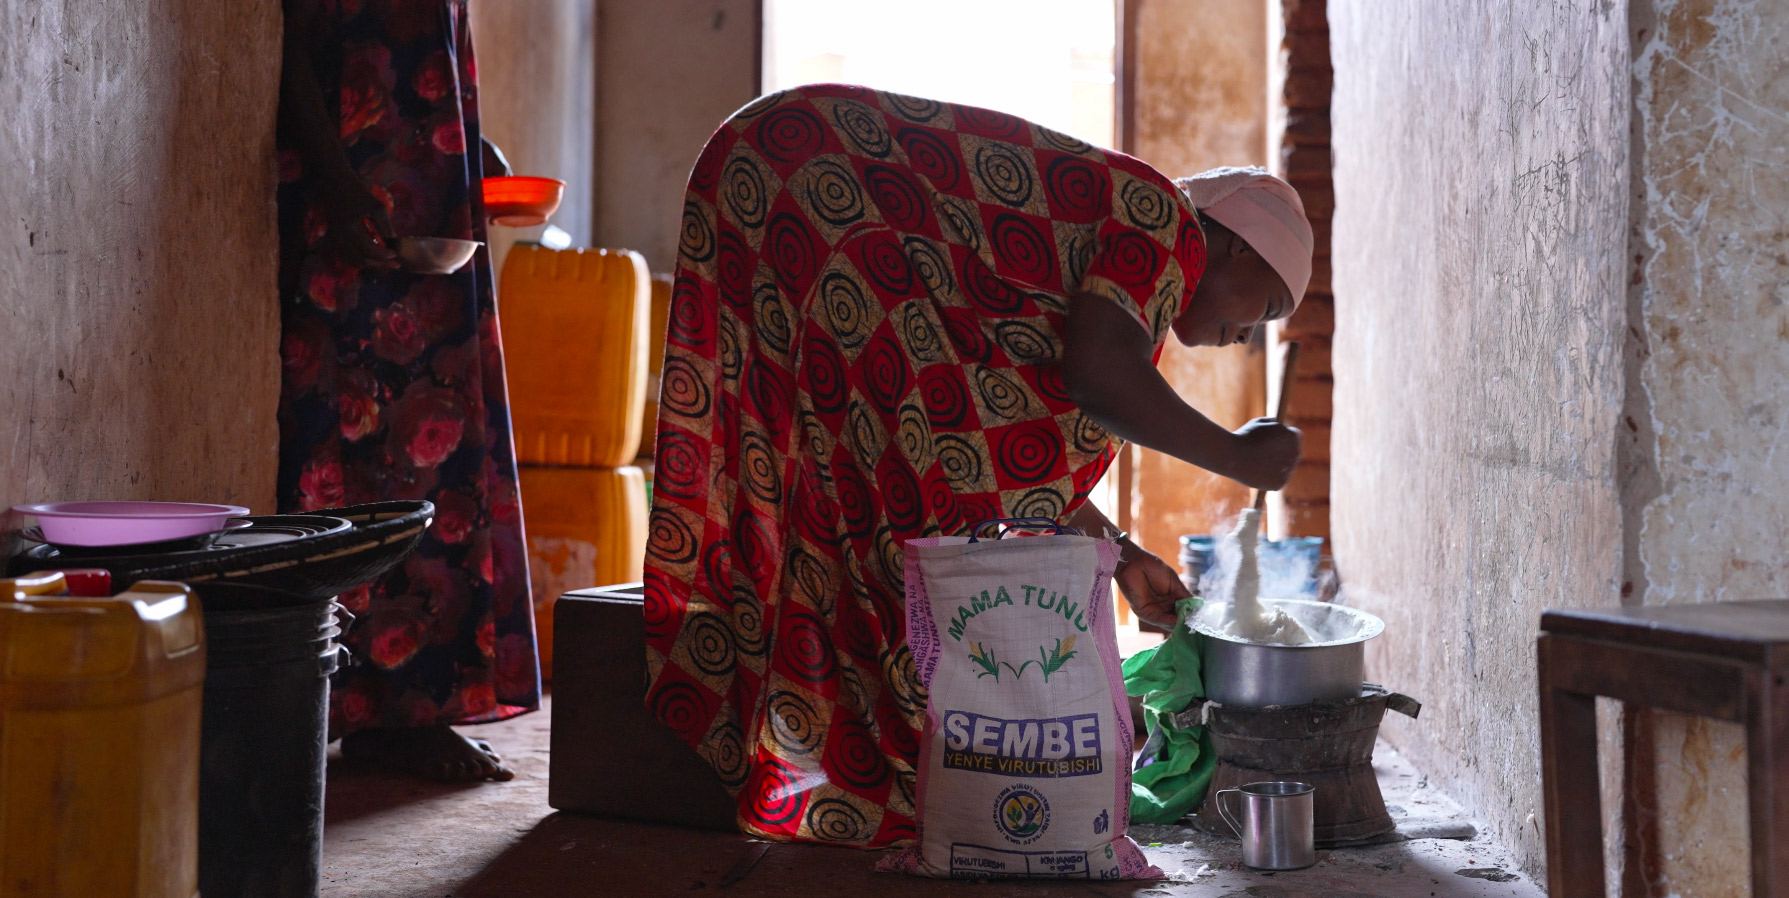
<point x="864" y="335"/>
<point x="392" y="383"/>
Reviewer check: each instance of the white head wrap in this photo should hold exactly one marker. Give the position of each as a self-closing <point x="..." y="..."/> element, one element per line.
<point x="1265" y="212"/>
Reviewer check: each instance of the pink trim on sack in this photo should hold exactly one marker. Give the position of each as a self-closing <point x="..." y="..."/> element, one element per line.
<point x="922" y="644"/>
<point x="1131" y="862"/>
<point x="1107" y="634"/>
<point x="922" y="627"/>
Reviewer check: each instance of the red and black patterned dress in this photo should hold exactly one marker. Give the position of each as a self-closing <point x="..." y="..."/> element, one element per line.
<point x="871" y="291"/>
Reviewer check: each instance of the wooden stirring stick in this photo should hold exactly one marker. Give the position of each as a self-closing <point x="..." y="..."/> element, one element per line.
<point x="1279" y="414"/>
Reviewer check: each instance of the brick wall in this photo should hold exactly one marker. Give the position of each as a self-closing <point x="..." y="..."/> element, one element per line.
<point x="1305" y="161"/>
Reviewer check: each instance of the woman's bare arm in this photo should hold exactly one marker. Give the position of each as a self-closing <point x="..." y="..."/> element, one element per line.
<point x="1147" y="582"/>
<point x="1109" y="374"/>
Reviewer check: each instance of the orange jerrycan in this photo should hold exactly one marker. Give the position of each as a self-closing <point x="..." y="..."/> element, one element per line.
<point x="575" y="322"/>
<point x="99" y="741"/>
<point x="659" y="320"/>
<point x="586" y="526"/>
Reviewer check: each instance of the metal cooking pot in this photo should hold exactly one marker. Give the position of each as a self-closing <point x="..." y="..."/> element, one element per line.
<point x="1250" y="675"/>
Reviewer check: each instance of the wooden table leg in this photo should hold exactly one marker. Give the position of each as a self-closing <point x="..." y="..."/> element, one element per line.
<point x="1572" y="794"/>
<point x="1767" y="770"/>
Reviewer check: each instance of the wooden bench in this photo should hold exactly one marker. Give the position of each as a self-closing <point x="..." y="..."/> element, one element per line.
<point x="1728" y="661"/>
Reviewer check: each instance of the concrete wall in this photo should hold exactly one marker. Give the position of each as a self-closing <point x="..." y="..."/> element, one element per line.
<point x="537" y="100"/>
<point x="138" y="343"/>
<point x="1496" y="336"/>
<point x="1201" y="102"/>
<point x="1707" y="407"/>
<point x="1481" y="154"/>
<point x="668" y="73"/>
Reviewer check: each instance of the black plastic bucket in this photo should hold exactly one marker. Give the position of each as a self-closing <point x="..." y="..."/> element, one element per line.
<point x="265" y="730"/>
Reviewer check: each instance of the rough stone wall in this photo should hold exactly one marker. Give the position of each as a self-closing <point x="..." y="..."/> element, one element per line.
<point x="537" y="100"/>
<point x="1201" y="102"/>
<point x="668" y="73"/>
<point x="1481" y="154"/>
<point x="138" y="251"/>
<point x="1707" y="405"/>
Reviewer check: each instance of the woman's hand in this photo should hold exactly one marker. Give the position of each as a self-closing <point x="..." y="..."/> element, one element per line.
<point x="1149" y="584"/>
<point x="496" y="165"/>
<point x="1264" y="453"/>
<point x="358" y="222"/>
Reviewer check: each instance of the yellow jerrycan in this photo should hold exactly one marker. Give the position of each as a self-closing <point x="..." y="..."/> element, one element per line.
<point x="99" y="741"/>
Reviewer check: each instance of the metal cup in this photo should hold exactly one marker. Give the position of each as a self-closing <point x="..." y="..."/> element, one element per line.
<point x="1276" y="824"/>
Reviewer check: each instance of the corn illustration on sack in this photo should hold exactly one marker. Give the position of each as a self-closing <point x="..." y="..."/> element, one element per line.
<point x="1024" y="765"/>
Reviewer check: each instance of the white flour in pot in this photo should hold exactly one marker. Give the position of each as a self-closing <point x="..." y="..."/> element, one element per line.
<point x="1249" y="620"/>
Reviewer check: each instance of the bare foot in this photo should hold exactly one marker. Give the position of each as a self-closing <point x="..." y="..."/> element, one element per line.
<point x="437" y="753"/>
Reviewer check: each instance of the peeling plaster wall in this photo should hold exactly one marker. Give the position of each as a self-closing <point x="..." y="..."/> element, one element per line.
<point x="1201" y="82"/>
<point x="1708" y="406"/>
<point x="138" y="343"/>
<point x="1712" y="100"/>
<point x="668" y="73"/>
<point x="1481" y="154"/>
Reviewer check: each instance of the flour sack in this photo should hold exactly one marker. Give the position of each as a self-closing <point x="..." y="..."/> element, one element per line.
<point x="1024" y="767"/>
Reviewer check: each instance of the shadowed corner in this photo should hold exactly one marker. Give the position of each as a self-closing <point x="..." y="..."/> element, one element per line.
<point x="359" y="790"/>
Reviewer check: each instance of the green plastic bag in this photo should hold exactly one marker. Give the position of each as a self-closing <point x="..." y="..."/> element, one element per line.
<point x="1167" y="678"/>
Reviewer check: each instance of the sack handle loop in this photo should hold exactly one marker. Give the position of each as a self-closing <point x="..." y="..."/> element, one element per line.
<point x="1008" y="525"/>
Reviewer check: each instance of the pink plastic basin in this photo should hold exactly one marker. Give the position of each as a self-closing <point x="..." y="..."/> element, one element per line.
<point x="123" y="523"/>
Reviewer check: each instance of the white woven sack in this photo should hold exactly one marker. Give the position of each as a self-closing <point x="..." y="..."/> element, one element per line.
<point x="1024" y="764"/>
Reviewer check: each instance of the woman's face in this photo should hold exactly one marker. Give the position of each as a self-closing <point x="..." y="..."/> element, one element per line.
<point x="1238" y="293"/>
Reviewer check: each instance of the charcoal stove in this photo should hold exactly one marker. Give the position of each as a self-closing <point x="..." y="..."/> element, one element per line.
<point x="1326" y="744"/>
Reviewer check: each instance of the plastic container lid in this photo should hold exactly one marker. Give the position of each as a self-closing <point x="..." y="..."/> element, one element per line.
<point x="124" y="523"/>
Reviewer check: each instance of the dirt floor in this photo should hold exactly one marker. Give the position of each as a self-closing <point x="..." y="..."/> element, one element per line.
<point x="394" y="838"/>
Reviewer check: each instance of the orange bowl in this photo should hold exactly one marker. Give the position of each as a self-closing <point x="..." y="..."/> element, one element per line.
<point x="522" y="202"/>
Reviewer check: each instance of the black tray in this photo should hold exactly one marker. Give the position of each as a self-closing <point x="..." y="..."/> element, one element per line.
<point x="316" y="555"/>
